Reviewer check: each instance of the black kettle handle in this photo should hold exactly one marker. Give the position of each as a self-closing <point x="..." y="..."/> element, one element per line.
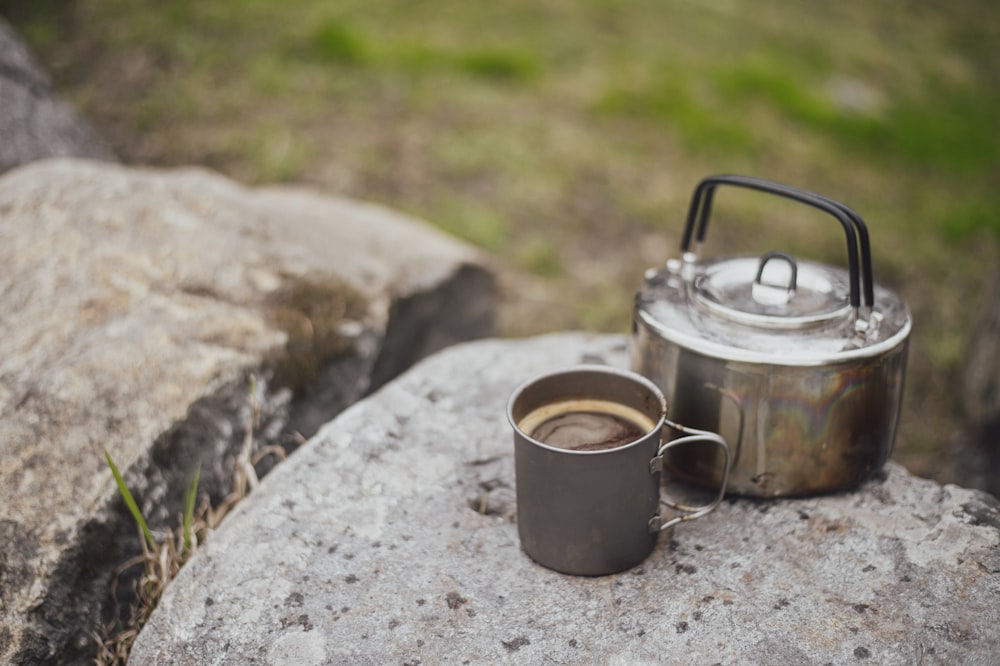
<point x="854" y="227"/>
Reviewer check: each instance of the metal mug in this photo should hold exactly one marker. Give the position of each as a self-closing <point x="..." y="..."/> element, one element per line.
<point x="597" y="512"/>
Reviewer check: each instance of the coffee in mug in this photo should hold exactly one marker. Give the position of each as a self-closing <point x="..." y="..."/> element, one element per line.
<point x="586" y="424"/>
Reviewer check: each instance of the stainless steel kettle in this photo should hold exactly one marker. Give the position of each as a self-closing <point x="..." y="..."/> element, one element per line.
<point x="800" y="366"/>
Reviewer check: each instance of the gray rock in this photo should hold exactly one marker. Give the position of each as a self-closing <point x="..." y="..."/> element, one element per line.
<point x="135" y="305"/>
<point x="34" y="123"/>
<point x="390" y="537"/>
<point x="978" y="446"/>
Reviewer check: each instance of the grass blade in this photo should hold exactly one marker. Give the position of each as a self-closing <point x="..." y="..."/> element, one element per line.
<point x="188" y="520"/>
<point x="130" y="501"/>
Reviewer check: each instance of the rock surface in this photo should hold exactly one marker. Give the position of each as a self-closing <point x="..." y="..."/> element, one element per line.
<point x="390" y="538"/>
<point x="34" y="123"/>
<point x="134" y="307"/>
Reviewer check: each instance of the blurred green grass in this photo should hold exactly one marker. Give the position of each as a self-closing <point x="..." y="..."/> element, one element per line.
<point x="565" y="137"/>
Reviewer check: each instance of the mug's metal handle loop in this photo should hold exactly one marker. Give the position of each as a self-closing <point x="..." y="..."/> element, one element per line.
<point x="688" y="512"/>
<point x="855" y="231"/>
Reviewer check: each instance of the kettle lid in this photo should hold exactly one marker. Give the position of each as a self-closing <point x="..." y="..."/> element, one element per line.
<point x="729" y="308"/>
<point x="766" y="293"/>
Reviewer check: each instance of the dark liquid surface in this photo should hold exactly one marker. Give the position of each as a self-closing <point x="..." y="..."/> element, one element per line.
<point x="587" y="431"/>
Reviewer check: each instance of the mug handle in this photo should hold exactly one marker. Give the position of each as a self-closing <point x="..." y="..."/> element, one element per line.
<point x="656" y="523"/>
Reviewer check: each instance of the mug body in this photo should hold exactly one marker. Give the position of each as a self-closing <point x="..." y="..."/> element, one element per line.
<point x="587" y="512"/>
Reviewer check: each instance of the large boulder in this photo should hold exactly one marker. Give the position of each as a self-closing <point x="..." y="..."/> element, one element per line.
<point x="34" y="122"/>
<point x="390" y="538"/>
<point x="138" y="310"/>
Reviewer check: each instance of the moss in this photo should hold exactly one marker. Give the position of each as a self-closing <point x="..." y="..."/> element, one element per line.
<point x="313" y="312"/>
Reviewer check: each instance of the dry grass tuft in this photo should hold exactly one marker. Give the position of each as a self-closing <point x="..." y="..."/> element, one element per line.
<point x="163" y="556"/>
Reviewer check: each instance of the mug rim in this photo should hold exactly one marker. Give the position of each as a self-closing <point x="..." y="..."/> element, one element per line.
<point x="600" y="369"/>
